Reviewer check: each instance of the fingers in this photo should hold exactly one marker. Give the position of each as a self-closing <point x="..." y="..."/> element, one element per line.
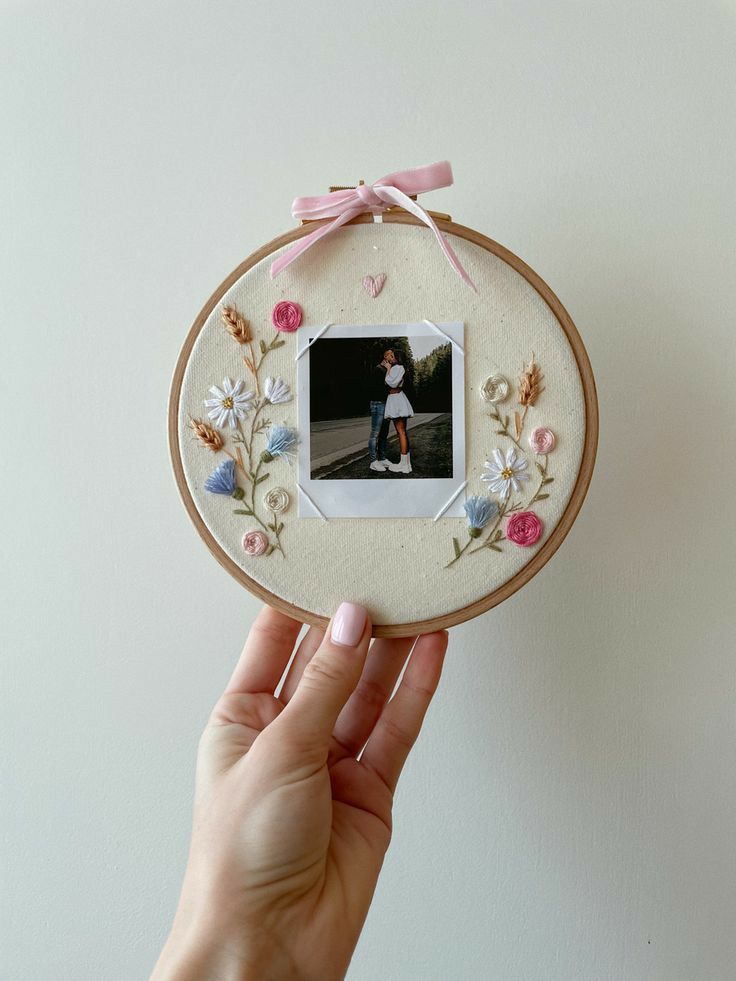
<point x="266" y="653"/>
<point x="355" y="723"/>
<point x="308" y="645"/>
<point x="398" y="727"/>
<point x="328" y="678"/>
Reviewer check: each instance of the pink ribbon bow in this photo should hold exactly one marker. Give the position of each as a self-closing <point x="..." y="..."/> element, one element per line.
<point x="376" y="198"/>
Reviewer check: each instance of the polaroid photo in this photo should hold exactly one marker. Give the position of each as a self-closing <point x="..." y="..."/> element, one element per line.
<point x="382" y="421"/>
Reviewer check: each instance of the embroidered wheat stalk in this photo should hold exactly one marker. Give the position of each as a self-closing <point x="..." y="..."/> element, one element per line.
<point x="213" y="440"/>
<point x="206" y="435"/>
<point x="236" y="325"/>
<point x="239" y="329"/>
<point x="530" y="388"/>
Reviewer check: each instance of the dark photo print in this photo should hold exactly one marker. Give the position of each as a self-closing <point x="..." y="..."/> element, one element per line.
<point x="380" y="408"/>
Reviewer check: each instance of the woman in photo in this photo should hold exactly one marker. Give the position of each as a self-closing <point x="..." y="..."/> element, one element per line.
<point x="398" y="407"/>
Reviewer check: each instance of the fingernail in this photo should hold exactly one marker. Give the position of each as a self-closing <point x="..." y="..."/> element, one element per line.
<point x="348" y="624"/>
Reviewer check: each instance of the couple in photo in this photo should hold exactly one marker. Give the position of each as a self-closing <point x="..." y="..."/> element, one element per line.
<point x="388" y="402"/>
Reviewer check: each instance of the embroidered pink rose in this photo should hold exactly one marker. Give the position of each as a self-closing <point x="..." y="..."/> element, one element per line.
<point x="255" y="543"/>
<point x="542" y="440"/>
<point x="523" y="528"/>
<point x="286" y="316"/>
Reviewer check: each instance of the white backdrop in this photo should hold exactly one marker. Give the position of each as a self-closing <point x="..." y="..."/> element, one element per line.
<point x="570" y="810"/>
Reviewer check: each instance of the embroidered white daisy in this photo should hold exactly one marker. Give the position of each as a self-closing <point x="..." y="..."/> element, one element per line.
<point x="230" y="403"/>
<point x="505" y="475"/>
<point x="276" y="391"/>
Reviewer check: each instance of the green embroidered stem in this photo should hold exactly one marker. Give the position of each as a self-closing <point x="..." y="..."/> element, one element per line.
<point x="239" y="437"/>
<point x="256" y="479"/>
<point x="458" y="551"/>
<point x="538" y="496"/>
<point x="254" y="476"/>
<point x="249" y="446"/>
<point x="265" y="348"/>
<point x="277" y="529"/>
<point x="504" y="424"/>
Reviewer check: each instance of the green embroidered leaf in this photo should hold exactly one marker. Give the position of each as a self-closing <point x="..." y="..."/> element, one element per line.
<point x="539" y="467"/>
<point x="500" y="432"/>
<point x="541" y="497"/>
<point x="456" y="546"/>
<point x="242" y="511"/>
<point x="269" y="550"/>
<point x="263" y="346"/>
<point x="495" y="548"/>
<point x="263" y="477"/>
<point x="548" y="480"/>
<point x="280" y="528"/>
<point x="277" y="342"/>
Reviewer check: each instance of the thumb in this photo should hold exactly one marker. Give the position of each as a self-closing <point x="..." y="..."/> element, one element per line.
<point x="330" y="677"/>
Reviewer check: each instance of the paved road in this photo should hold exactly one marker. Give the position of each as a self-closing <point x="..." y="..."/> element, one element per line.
<point x="431" y="456"/>
<point x="337" y="438"/>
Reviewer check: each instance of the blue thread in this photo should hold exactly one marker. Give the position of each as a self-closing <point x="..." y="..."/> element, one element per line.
<point x="480" y="510"/>
<point x="281" y="440"/>
<point x="222" y="480"/>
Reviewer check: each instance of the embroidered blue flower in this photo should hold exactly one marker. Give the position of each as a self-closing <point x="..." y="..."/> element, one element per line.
<point x="222" y="480"/>
<point x="480" y="510"/>
<point x="280" y="442"/>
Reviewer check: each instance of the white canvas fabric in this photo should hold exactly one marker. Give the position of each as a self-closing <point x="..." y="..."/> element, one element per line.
<point x="348" y="558"/>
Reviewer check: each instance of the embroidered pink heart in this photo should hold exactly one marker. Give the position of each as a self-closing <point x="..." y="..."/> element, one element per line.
<point x="374" y="284"/>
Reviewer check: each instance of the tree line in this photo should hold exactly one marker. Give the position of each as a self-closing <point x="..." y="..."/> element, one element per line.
<point x="341" y="383"/>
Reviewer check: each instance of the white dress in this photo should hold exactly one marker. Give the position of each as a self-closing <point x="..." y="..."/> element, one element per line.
<point x="397" y="406"/>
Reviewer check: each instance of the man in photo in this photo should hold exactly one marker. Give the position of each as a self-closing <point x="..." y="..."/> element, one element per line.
<point x="379" y="424"/>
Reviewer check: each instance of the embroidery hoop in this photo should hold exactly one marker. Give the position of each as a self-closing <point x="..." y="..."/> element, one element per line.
<point x="560" y="530"/>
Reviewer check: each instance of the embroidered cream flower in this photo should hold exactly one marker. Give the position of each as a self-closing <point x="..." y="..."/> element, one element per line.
<point x="276" y="391"/>
<point x="505" y="475"/>
<point x="230" y="403"/>
<point x="276" y="500"/>
<point x="494" y="389"/>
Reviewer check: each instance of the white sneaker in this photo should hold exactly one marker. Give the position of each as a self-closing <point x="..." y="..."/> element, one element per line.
<point x="386" y="463"/>
<point x="377" y="465"/>
<point x="403" y="466"/>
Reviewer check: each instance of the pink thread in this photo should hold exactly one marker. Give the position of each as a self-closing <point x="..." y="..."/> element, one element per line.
<point x="523" y="528"/>
<point x="393" y="189"/>
<point x="374" y="284"/>
<point x="542" y="440"/>
<point x="255" y="542"/>
<point x="286" y="316"/>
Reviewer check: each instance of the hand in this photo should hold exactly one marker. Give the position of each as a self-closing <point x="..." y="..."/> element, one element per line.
<point x="290" y="828"/>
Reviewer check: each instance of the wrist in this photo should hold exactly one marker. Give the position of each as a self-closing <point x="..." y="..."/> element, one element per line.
<point x="199" y="958"/>
<point x="200" y="946"/>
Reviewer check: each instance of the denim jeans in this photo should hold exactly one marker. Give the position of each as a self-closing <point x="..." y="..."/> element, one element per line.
<point x="379" y="432"/>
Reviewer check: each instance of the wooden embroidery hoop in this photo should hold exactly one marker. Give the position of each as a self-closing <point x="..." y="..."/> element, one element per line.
<point x="560" y="530"/>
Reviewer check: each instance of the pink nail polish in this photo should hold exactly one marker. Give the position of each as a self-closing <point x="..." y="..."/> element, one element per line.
<point x="348" y="625"/>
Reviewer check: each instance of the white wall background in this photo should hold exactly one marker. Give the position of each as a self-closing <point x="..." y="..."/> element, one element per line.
<point x="570" y="810"/>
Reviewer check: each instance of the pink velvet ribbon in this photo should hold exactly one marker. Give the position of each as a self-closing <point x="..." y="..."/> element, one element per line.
<point x="394" y="189"/>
